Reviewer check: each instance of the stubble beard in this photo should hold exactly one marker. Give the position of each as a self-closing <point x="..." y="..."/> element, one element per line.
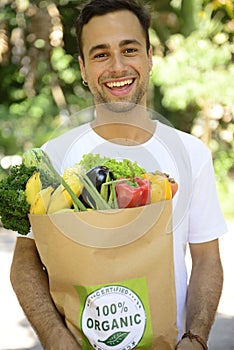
<point x="122" y="104"/>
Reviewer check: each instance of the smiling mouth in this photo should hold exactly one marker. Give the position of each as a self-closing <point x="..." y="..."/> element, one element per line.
<point x="119" y="84"/>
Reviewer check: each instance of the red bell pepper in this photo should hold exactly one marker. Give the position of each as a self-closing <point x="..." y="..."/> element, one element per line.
<point x="134" y="193"/>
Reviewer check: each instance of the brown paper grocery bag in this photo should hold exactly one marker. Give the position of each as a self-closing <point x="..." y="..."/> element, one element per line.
<point x="111" y="275"/>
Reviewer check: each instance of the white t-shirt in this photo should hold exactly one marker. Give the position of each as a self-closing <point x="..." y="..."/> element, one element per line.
<point x="196" y="212"/>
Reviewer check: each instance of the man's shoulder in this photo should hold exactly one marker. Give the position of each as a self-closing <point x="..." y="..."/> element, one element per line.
<point x="189" y="141"/>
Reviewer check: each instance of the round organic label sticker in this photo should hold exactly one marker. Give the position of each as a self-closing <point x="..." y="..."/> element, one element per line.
<point x="113" y="317"/>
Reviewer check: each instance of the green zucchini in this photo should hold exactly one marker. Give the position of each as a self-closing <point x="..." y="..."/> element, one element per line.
<point x="38" y="158"/>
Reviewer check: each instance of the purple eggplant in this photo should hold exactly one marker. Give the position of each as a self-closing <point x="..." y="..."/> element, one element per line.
<point x="98" y="176"/>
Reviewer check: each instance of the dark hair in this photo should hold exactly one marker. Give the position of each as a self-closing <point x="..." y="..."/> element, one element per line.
<point x="101" y="7"/>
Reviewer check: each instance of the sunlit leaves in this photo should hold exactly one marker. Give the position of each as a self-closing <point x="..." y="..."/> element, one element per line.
<point x="195" y="69"/>
<point x="40" y="76"/>
<point x="60" y="60"/>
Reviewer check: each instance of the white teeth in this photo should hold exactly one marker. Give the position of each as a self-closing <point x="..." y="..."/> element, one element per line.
<point x="120" y="83"/>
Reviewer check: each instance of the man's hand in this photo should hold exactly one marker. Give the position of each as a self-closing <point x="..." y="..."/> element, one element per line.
<point x="204" y="292"/>
<point x="63" y="340"/>
<point x="31" y="285"/>
<point x="205" y="287"/>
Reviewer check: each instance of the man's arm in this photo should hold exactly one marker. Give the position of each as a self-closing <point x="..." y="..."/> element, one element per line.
<point x="30" y="284"/>
<point x="204" y="291"/>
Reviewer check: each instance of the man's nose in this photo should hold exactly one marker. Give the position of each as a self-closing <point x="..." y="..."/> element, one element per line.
<point x="117" y="63"/>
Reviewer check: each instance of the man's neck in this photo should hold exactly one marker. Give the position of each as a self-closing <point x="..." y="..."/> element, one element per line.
<point x="127" y="128"/>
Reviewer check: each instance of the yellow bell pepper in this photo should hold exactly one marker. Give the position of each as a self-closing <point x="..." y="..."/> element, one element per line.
<point x="160" y="187"/>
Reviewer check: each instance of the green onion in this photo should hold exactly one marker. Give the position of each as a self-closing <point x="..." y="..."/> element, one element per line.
<point x="104" y="189"/>
<point x="115" y="202"/>
<point x="78" y="205"/>
<point x="101" y="204"/>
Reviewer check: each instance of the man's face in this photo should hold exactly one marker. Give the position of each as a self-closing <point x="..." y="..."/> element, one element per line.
<point x="116" y="64"/>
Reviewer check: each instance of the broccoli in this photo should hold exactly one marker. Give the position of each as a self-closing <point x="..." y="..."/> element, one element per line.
<point x="14" y="208"/>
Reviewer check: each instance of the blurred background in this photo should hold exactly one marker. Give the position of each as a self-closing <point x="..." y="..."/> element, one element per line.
<point x="192" y="80"/>
<point x="192" y="85"/>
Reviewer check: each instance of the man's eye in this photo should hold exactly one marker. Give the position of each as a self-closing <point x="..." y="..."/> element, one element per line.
<point x="130" y="51"/>
<point x="100" y="55"/>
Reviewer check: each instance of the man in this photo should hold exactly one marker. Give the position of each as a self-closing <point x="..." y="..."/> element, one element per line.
<point x="115" y="61"/>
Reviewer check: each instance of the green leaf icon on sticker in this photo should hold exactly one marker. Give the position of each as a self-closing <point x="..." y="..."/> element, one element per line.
<point x="115" y="338"/>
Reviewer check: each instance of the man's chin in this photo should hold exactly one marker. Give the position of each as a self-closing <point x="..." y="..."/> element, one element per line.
<point x="120" y="107"/>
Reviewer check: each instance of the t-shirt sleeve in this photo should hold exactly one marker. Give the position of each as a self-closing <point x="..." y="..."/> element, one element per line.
<point x="206" y="218"/>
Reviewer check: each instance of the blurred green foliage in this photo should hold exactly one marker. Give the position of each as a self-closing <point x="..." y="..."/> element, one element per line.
<point x="40" y="77"/>
<point x="191" y="82"/>
<point x="193" y="75"/>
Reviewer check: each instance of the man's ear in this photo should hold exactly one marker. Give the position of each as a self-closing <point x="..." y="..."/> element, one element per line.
<point x="82" y="68"/>
<point x="150" y="55"/>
